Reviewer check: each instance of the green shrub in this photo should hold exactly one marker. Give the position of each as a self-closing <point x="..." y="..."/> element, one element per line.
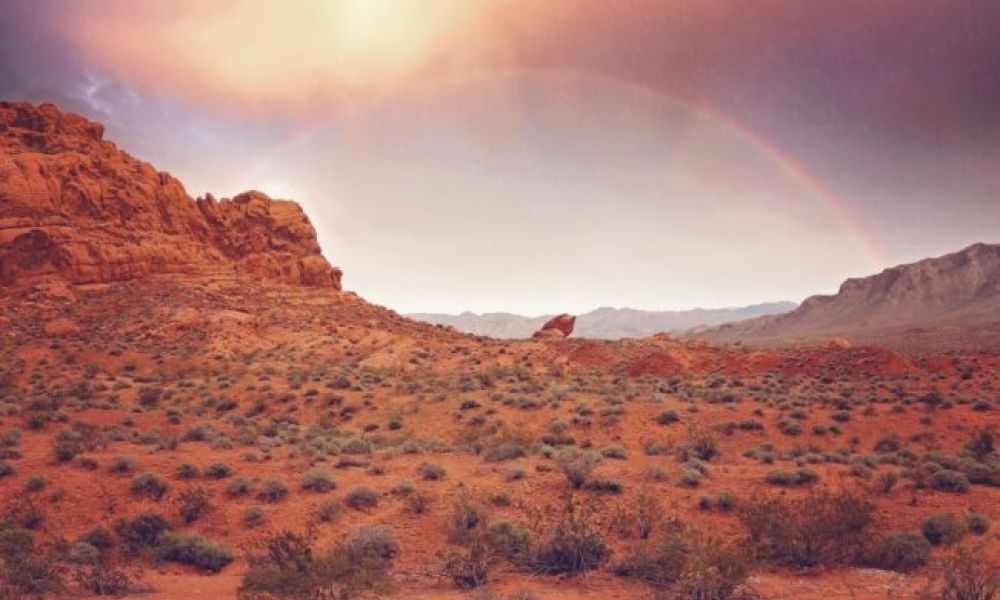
<point x="254" y="516"/>
<point x="943" y="529"/>
<point x="194" y="550"/>
<point x="902" y="551"/>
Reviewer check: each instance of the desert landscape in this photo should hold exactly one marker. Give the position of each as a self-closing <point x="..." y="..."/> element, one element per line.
<point x="192" y="407"/>
<point x="499" y="300"/>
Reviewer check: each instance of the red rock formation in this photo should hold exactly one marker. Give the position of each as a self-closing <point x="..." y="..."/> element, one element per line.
<point x="557" y="326"/>
<point x="75" y="206"/>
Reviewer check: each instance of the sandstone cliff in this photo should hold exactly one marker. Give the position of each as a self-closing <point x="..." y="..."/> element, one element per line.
<point x="73" y="205"/>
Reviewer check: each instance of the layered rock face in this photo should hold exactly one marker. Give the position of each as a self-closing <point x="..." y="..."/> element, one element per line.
<point x="73" y="205"/>
<point x="559" y="326"/>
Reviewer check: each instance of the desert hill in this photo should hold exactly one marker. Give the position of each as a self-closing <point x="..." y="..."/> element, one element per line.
<point x="948" y="301"/>
<point x="603" y="323"/>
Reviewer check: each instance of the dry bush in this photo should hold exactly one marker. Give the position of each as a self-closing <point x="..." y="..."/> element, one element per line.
<point x="819" y="529"/>
<point x="969" y="574"/>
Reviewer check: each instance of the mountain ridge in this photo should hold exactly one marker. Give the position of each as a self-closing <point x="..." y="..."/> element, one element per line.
<point x="601" y="323"/>
<point x="956" y="294"/>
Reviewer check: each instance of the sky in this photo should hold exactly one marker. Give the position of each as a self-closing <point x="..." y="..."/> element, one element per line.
<point x="540" y="156"/>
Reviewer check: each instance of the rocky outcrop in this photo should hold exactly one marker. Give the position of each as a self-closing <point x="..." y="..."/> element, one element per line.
<point x="559" y="326"/>
<point x="73" y="205"/>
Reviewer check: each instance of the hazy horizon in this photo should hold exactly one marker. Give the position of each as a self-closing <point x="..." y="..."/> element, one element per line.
<point x="500" y="156"/>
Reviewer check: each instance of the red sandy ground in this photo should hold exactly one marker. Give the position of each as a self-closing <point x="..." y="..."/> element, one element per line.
<point x="227" y="339"/>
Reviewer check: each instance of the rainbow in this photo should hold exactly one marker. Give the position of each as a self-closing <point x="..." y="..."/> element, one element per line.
<point x="814" y="187"/>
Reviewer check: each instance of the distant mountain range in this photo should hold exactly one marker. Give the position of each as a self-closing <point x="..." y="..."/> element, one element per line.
<point x="603" y="323"/>
<point x="952" y="300"/>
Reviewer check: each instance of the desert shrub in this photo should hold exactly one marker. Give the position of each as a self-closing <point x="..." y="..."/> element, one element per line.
<point x="969" y="574"/>
<point x="187" y="471"/>
<point x="577" y="464"/>
<point x="943" y="529"/>
<point x="977" y="523"/>
<point x="796" y="477"/>
<point x="431" y="471"/>
<point x="572" y="544"/>
<point x="949" y="481"/>
<point x="885" y="482"/>
<point x="329" y="510"/>
<point x="694" y="565"/>
<point x="35" y="483"/>
<point x="818" y="529"/>
<point x="194" y="550"/>
<point x="466" y="518"/>
<point x="372" y="543"/>
<point x="982" y="444"/>
<point x="604" y="485"/>
<point x="418" y="502"/>
<point x="122" y="465"/>
<point x="82" y="553"/>
<point x="103" y="579"/>
<point x="290" y="567"/>
<point x="273" y="490"/>
<point x="510" y="540"/>
<point x="659" y="564"/>
<point x="239" y="486"/>
<point x="98" y="537"/>
<point x="702" y="443"/>
<point x="318" y="480"/>
<point x="149" y="485"/>
<point x="615" y="451"/>
<point x="667" y="417"/>
<point x="141" y="532"/>
<point x="691" y="477"/>
<point x="470" y="568"/>
<point x="26" y="571"/>
<point x="219" y="470"/>
<point x="505" y="450"/>
<point x="362" y="498"/>
<point x="194" y="503"/>
<point x="254" y="516"/>
<point x="902" y="551"/>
